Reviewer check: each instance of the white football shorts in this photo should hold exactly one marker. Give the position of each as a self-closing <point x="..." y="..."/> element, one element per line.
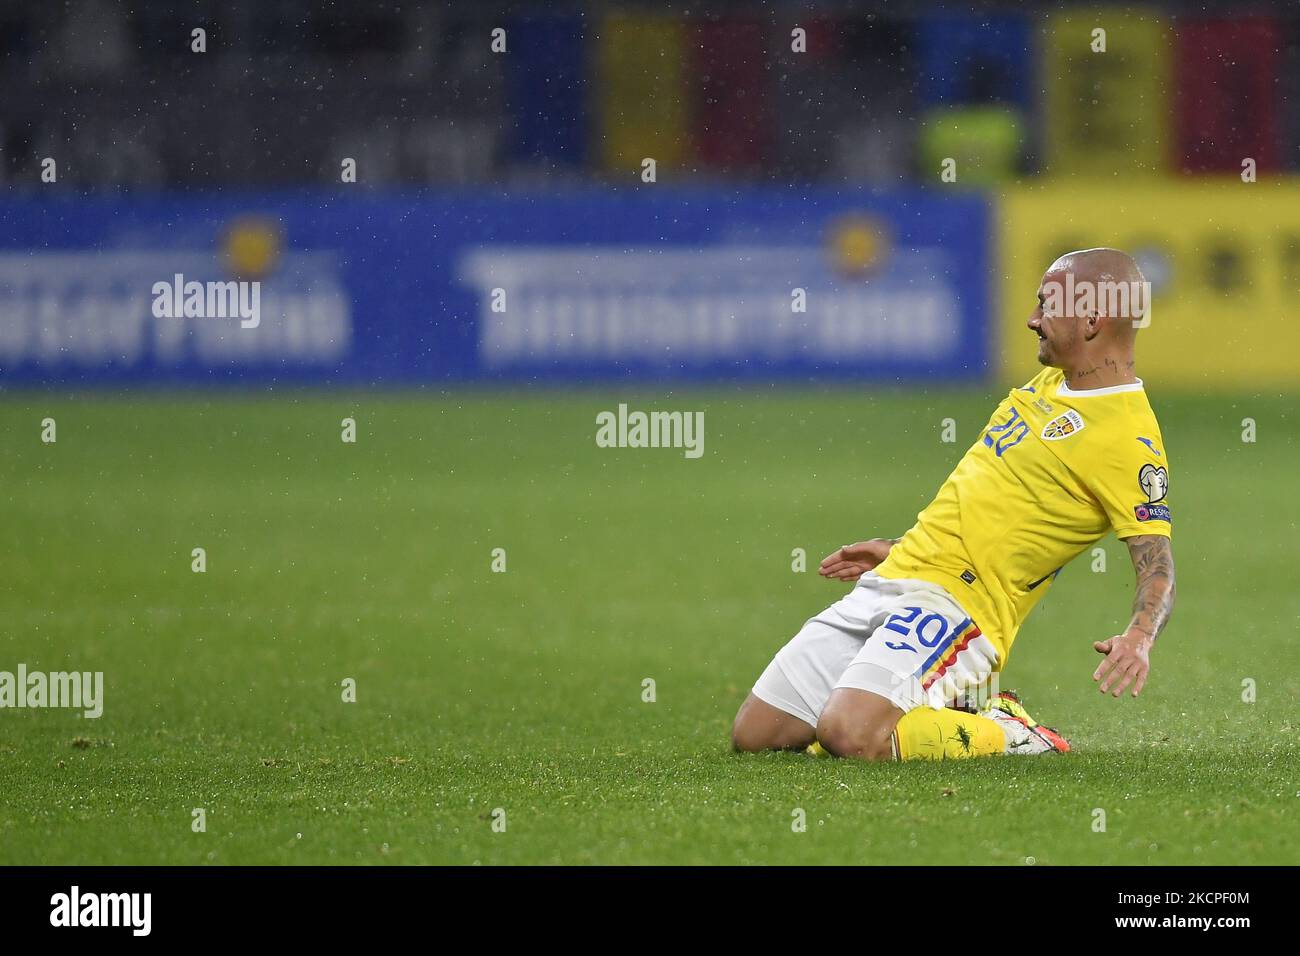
<point x="908" y="641"/>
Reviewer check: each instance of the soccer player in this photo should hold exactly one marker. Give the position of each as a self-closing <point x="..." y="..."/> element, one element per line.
<point x="1072" y="454"/>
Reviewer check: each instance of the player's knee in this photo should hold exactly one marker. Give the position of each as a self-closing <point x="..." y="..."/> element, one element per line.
<point x="750" y="739"/>
<point x="745" y="736"/>
<point x="760" y="726"/>
<point x="844" y="736"/>
<point x="744" y="739"/>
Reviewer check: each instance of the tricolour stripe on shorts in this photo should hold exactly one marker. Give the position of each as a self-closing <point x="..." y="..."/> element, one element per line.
<point x="946" y="653"/>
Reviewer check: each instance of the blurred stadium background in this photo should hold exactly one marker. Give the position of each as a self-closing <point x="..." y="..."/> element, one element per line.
<point x="775" y="170"/>
<point x="499" y="272"/>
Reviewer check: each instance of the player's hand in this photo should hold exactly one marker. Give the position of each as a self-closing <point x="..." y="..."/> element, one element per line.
<point x="1128" y="659"/>
<point x="854" y="560"/>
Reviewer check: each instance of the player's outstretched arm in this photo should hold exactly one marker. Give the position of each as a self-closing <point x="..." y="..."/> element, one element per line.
<point x="851" y="561"/>
<point x="1128" y="654"/>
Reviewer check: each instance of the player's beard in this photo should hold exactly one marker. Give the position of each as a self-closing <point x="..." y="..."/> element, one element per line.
<point x="1051" y="351"/>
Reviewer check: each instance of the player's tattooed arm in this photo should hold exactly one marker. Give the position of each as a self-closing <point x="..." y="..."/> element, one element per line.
<point x="1153" y="561"/>
<point x="1128" y="654"/>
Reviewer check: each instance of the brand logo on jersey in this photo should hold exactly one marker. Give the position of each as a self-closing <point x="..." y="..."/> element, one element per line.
<point x="1150" y="444"/>
<point x="1154" y="482"/>
<point x="968" y="576"/>
<point x="1051" y="574"/>
<point x="1063" y="426"/>
<point x="1043" y="405"/>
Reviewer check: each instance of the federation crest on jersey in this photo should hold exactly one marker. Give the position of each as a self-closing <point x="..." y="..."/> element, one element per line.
<point x="1154" y="482"/>
<point x="1063" y="426"/>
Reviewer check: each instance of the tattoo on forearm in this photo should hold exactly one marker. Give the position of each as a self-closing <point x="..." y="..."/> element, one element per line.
<point x="1153" y="602"/>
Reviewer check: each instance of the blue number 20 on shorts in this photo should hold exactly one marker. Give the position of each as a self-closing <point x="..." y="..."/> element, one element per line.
<point x="929" y="632"/>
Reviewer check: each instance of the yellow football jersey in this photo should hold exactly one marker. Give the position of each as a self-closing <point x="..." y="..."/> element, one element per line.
<point x="1053" y="471"/>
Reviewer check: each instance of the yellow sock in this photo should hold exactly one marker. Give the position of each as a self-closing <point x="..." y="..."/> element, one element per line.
<point x="929" y="734"/>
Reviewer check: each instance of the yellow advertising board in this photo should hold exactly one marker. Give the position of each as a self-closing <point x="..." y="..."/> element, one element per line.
<point x="1106" y="102"/>
<point x="1222" y="257"/>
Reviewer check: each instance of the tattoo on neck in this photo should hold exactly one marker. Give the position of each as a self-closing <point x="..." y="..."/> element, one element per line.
<point x="1110" y="364"/>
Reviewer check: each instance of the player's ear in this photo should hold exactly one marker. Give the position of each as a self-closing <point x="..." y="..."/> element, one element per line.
<point x="1092" y="325"/>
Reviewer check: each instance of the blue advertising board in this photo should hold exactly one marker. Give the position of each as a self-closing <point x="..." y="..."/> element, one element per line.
<point x="360" y="288"/>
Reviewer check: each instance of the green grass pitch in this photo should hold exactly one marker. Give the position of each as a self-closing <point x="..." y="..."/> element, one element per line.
<point x="523" y="690"/>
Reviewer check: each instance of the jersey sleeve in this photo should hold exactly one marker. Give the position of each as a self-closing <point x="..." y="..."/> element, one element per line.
<point x="1132" y="484"/>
